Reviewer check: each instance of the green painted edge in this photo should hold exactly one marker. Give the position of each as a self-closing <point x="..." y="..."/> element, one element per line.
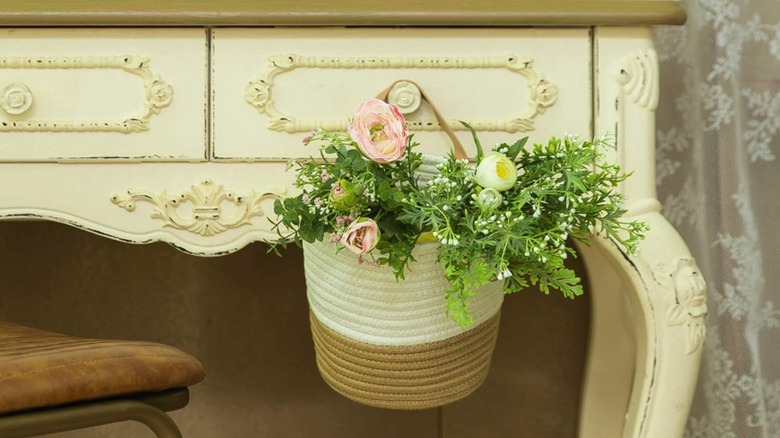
<point x="493" y="13"/>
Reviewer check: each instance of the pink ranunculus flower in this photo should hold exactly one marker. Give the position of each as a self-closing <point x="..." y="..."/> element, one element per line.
<point x="380" y="131"/>
<point x="361" y="236"/>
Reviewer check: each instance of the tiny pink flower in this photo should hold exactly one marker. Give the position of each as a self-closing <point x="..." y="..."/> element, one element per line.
<point x="306" y="140"/>
<point x="317" y="202"/>
<point x="334" y="238"/>
<point x="343" y="221"/>
<point x="361" y="236"/>
<point x="380" y="131"/>
<point x="325" y="176"/>
<point x="305" y="197"/>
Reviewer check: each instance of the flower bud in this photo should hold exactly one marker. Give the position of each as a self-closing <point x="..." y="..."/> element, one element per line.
<point x="496" y="171"/>
<point x="361" y="236"/>
<point x="343" y="195"/>
<point x="488" y="200"/>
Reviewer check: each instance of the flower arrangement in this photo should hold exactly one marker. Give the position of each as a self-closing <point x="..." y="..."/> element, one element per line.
<point x="507" y="217"/>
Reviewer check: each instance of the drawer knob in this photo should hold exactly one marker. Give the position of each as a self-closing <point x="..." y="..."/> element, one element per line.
<point x="406" y="96"/>
<point x="16" y="98"/>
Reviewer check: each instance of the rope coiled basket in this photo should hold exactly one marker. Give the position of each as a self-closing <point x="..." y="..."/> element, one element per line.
<point x="388" y="343"/>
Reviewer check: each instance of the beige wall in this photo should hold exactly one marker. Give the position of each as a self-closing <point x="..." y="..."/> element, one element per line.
<point x="245" y="316"/>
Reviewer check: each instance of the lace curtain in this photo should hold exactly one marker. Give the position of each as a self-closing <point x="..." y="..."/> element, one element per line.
<point x="719" y="181"/>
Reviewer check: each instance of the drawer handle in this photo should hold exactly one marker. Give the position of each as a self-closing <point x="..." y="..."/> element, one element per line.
<point x="406" y="96"/>
<point x="16" y="98"/>
<point x="206" y="198"/>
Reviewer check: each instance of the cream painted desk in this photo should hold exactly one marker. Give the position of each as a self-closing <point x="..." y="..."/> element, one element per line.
<point x="166" y="121"/>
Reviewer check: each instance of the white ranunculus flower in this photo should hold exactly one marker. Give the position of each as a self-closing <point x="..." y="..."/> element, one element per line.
<point x="496" y="171"/>
<point x="489" y="199"/>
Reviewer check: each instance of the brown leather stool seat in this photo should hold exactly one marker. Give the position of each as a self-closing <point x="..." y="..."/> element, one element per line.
<point x="40" y="370"/>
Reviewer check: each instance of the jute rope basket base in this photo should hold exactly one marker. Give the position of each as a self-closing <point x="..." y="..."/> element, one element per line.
<point x="390" y="344"/>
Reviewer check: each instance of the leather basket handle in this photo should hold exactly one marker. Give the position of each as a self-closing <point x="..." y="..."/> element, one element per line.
<point x="457" y="147"/>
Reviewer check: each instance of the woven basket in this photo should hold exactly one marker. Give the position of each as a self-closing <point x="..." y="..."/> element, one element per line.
<point x="390" y="344"/>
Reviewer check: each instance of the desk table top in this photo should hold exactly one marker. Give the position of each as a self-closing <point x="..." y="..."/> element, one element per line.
<point x="340" y="13"/>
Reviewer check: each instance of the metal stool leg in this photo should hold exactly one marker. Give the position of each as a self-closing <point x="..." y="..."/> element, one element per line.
<point x="81" y="416"/>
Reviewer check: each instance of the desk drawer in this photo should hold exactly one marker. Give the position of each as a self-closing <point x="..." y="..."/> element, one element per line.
<point x="273" y="86"/>
<point x="103" y="93"/>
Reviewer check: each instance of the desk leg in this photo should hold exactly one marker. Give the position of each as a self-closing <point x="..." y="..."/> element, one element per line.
<point x="650" y="307"/>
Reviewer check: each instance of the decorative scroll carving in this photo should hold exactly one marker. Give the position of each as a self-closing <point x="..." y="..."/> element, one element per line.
<point x="687" y="301"/>
<point x="259" y="92"/>
<point x="638" y="74"/>
<point x="158" y="93"/>
<point x="206" y="199"/>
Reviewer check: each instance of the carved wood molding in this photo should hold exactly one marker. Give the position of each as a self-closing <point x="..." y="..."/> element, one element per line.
<point x="638" y="75"/>
<point x="686" y="303"/>
<point x="259" y="92"/>
<point x="206" y="199"/>
<point x="158" y="93"/>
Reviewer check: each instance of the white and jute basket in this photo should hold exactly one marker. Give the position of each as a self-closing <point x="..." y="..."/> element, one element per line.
<point x="388" y="343"/>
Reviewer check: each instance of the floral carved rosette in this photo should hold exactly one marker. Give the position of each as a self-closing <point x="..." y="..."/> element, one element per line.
<point x="257" y="93"/>
<point x="159" y="94"/>
<point x="687" y="304"/>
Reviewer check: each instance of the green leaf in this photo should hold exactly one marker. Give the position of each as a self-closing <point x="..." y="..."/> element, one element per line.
<point x="390" y="196"/>
<point x="278" y="207"/>
<point x="515" y="149"/>
<point x="480" y="152"/>
<point x="575" y="180"/>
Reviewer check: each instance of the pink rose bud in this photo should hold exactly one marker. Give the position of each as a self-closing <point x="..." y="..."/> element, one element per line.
<point x="379" y="130"/>
<point x="361" y="236"/>
<point x="344" y="195"/>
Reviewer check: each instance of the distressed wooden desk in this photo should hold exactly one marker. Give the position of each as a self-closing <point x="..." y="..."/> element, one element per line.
<point x="172" y="121"/>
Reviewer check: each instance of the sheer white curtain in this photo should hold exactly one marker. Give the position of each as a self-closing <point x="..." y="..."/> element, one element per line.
<point x="718" y="177"/>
